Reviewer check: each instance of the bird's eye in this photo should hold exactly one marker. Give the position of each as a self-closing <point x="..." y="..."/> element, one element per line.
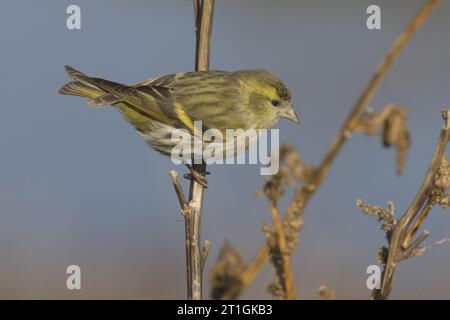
<point x="275" y="103"/>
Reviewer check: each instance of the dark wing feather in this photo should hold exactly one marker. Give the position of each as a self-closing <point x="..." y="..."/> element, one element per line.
<point x="151" y="101"/>
<point x="104" y="100"/>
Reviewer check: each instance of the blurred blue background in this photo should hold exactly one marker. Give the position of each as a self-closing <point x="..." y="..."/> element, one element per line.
<point x="79" y="186"/>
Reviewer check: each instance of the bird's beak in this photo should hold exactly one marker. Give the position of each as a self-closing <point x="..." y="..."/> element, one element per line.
<point x="289" y="113"/>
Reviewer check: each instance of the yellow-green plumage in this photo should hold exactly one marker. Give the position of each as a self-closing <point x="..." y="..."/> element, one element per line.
<point x="249" y="99"/>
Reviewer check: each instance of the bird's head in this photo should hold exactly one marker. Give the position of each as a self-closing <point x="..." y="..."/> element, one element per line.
<point x="267" y="97"/>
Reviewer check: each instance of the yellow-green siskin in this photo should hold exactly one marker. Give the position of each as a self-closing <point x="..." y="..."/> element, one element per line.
<point x="248" y="99"/>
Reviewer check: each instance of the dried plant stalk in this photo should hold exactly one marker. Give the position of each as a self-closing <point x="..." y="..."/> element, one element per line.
<point x="305" y="193"/>
<point x="397" y="236"/>
<point x="400" y="233"/>
<point x="192" y="209"/>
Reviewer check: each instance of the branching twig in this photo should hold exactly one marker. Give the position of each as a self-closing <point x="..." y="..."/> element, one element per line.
<point x="192" y="209"/>
<point x="401" y="233"/>
<point x="305" y="193"/>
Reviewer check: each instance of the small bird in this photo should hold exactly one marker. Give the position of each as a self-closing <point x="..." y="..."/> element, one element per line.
<point x="246" y="99"/>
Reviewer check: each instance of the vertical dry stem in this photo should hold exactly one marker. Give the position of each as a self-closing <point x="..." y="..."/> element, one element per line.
<point x="191" y="209"/>
<point x="203" y="11"/>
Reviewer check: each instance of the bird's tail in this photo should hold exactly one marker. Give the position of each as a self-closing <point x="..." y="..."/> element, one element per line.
<point x="84" y="86"/>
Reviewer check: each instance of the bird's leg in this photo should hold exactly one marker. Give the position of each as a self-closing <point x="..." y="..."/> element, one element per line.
<point x="197" y="176"/>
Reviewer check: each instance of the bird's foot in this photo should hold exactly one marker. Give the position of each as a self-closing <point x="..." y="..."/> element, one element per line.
<point x="200" y="178"/>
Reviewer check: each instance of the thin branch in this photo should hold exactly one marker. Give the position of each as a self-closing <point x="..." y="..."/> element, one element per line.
<point x="179" y="191"/>
<point x="305" y="193"/>
<point x="204" y="16"/>
<point x="400" y="233"/>
<point x="186" y="213"/>
<point x="205" y="13"/>
<point x="192" y="209"/>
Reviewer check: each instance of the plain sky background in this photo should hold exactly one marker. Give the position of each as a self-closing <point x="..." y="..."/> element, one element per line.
<point x="79" y="186"/>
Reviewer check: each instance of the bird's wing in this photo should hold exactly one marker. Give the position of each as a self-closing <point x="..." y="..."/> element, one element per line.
<point x="212" y="97"/>
<point x="151" y="101"/>
<point x="184" y="98"/>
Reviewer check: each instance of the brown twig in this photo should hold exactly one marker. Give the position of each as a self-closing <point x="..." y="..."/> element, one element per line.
<point x="186" y="213"/>
<point x="305" y="193"/>
<point x="192" y="209"/>
<point x="400" y="234"/>
<point x="204" y="12"/>
<point x="179" y="191"/>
